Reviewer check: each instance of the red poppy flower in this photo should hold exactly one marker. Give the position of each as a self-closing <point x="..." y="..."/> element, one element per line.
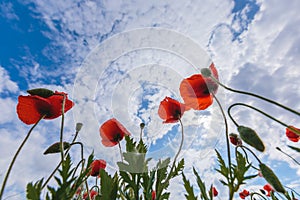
<point x="96" y="165"/>
<point x="170" y="110"/>
<point x="214" y="192"/>
<point x="112" y="132"/>
<point x="153" y="194"/>
<point x="291" y="134"/>
<point x="197" y="90"/>
<point x="235" y="140"/>
<point x="244" y="194"/>
<point x="93" y="193"/>
<point x="32" y="107"/>
<point x="269" y="189"/>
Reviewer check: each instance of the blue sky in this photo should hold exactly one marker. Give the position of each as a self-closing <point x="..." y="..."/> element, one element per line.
<point x="112" y="64"/>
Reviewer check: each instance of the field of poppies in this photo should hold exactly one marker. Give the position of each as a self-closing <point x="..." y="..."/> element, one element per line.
<point x="134" y="179"/>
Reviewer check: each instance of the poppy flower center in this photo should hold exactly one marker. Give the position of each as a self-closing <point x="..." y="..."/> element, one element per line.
<point x="117" y="137"/>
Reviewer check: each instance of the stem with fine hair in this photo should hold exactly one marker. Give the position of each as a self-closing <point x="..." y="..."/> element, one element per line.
<point x="175" y="158"/>
<point x="255" y="95"/>
<point x="258" y="110"/>
<point x="62" y="127"/>
<point x="120" y="149"/>
<point x="16" y="155"/>
<point x="231" y="192"/>
<point x="57" y="167"/>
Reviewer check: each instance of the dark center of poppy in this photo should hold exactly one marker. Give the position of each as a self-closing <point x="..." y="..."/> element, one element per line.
<point x="177" y="114"/>
<point x="117" y="137"/>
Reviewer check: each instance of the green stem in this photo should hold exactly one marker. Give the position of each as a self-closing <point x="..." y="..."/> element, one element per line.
<point x="256" y="109"/>
<point x="120" y="149"/>
<point x="288" y="155"/>
<point x="252" y="153"/>
<point x="57" y="167"/>
<point x="255" y="193"/>
<point x="62" y="127"/>
<point x="257" y="96"/>
<point x="231" y="192"/>
<point x="246" y="156"/>
<point x="16" y="155"/>
<point x="174" y="161"/>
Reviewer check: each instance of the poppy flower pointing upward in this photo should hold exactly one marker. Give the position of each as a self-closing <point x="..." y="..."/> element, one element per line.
<point x="96" y="165"/>
<point x="170" y="110"/>
<point x="32" y="107"/>
<point x="112" y="132"/>
<point x="197" y="90"/>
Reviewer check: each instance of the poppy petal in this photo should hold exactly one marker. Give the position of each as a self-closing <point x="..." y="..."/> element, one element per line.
<point x="31" y="108"/>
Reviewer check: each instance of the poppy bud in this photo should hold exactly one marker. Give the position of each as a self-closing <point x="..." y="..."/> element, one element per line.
<point x="235" y="140"/>
<point x="142" y="125"/>
<point x="206" y="72"/>
<point x="55" y="148"/>
<point x="42" y="92"/>
<point x="249" y="136"/>
<point x="271" y="178"/>
<point x="78" y="127"/>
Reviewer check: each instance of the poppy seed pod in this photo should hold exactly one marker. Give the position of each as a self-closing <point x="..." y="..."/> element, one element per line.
<point x="250" y="137"/>
<point x="271" y="178"/>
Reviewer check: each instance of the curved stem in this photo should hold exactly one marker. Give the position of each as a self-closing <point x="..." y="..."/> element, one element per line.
<point x="256" y="95"/>
<point x="256" y="109"/>
<point x="252" y="153"/>
<point x="57" y="167"/>
<point x="16" y="155"/>
<point x="255" y="193"/>
<point x="288" y="155"/>
<point x="227" y="144"/>
<point x="246" y="156"/>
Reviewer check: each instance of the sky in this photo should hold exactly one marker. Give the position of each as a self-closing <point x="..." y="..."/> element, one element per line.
<point x="121" y="58"/>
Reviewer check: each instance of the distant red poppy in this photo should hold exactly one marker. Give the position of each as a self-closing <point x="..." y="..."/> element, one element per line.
<point x="32" y="107"/>
<point x="153" y="194"/>
<point x="291" y="134"/>
<point x="215" y="192"/>
<point x="170" y="110"/>
<point x="235" y="140"/>
<point x="96" y="165"/>
<point x="244" y="194"/>
<point x="93" y="193"/>
<point x="197" y="90"/>
<point x="112" y="132"/>
<point x="269" y="189"/>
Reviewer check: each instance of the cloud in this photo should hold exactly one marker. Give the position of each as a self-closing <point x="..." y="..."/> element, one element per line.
<point x="258" y="53"/>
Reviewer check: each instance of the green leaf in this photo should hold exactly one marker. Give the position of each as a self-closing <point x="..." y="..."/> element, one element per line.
<point x="109" y="185"/>
<point x="33" y="192"/>
<point x="42" y="92"/>
<point x="201" y="185"/>
<point x="223" y="168"/>
<point x="188" y="188"/>
<point x="55" y="148"/>
<point x="250" y="137"/>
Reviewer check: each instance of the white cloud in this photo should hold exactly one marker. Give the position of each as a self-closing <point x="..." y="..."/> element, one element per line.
<point x="7" y="85"/>
<point x="263" y="59"/>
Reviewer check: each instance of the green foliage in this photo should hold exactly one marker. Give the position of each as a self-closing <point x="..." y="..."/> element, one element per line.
<point x="109" y="186"/>
<point x="33" y="191"/>
<point x="55" y="148"/>
<point x="188" y="188"/>
<point x="201" y="186"/>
